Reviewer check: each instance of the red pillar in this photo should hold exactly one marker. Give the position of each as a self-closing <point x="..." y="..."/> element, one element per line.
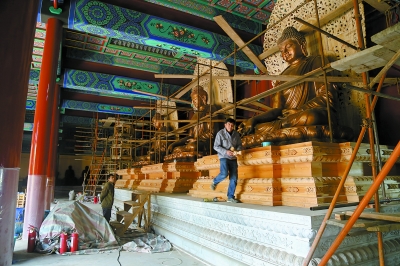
<point x="16" y="44"/>
<point x="53" y="141"/>
<point x="34" y="207"/>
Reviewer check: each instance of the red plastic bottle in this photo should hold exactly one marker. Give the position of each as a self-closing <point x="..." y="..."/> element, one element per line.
<point x="31" y="240"/>
<point x="74" y="241"/>
<point x="63" y="243"/>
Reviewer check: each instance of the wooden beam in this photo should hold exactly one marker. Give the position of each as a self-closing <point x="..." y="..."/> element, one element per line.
<point x="181" y="76"/>
<point x="261" y="105"/>
<point x="384" y="227"/>
<point x="236" y="38"/>
<point x="379" y="5"/>
<point x="334" y="79"/>
<point x="393" y="217"/>
<point x="360" y="223"/>
<point x="281" y="78"/>
<point x="250" y="109"/>
<point x="174" y="76"/>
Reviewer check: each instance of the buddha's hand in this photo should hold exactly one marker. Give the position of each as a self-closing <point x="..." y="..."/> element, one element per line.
<point x="171" y="147"/>
<point x="287" y="112"/>
<point x="190" y="140"/>
<point x="246" y="127"/>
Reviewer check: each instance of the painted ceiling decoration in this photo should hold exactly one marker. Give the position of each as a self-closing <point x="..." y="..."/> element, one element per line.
<point x="101" y="36"/>
<point x="28" y="126"/>
<point x="30" y="104"/>
<point x="141" y="61"/>
<point x="247" y="15"/>
<point x="128" y="25"/>
<point x="103" y="108"/>
<point x="68" y="119"/>
<point x="115" y="86"/>
<point x="77" y="120"/>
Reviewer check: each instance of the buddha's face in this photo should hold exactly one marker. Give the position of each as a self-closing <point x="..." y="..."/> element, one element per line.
<point x="198" y="101"/>
<point x="290" y="51"/>
<point x="157" y="124"/>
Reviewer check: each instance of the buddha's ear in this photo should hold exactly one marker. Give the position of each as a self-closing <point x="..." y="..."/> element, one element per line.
<point x="203" y="98"/>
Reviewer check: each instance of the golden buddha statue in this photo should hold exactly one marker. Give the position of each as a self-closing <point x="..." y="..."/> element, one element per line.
<point x="200" y="135"/>
<point x="158" y="146"/>
<point x="299" y="113"/>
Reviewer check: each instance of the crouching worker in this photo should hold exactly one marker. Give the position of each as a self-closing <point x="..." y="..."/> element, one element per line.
<point x="107" y="197"/>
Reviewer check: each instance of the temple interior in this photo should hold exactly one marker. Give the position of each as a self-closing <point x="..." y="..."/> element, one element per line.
<point x="144" y="92"/>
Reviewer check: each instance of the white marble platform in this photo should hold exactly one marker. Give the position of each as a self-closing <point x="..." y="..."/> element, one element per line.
<point x="245" y="234"/>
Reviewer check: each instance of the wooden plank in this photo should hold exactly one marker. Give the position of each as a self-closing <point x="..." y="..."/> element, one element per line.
<point x="181" y="76"/>
<point x="236" y="38"/>
<point x="357" y="232"/>
<point x="381" y="6"/>
<point x="337" y="79"/>
<point x="393" y="217"/>
<point x="362" y="61"/>
<point x="340" y="216"/>
<point x="250" y="109"/>
<point x="261" y="105"/>
<point x="268" y="52"/>
<point x="360" y="223"/>
<point x="287" y="77"/>
<point x="384" y="228"/>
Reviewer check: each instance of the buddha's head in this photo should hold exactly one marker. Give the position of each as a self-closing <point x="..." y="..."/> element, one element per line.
<point x="292" y="45"/>
<point x="157" y="121"/>
<point x="199" y="97"/>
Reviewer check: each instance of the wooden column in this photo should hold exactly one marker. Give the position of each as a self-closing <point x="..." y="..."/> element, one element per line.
<point x="35" y="198"/>
<point x="16" y="44"/>
<point x="53" y="140"/>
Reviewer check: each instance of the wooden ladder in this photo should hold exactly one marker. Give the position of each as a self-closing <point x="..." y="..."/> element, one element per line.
<point x="133" y="209"/>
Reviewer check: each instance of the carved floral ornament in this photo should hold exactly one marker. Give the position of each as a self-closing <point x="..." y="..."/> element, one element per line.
<point x="180" y="33"/>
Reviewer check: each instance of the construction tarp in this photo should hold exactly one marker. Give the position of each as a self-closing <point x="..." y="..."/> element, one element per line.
<point x="95" y="234"/>
<point x="148" y="243"/>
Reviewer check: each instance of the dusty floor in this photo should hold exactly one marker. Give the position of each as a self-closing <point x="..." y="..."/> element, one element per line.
<point x="171" y="258"/>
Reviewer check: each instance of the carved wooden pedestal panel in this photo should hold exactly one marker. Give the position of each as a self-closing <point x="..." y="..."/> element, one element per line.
<point x="256" y="181"/>
<point x="183" y="175"/>
<point x="169" y="177"/>
<point x="360" y="176"/>
<point x="130" y="178"/>
<point x="302" y="174"/>
<point x="155" y="180"/>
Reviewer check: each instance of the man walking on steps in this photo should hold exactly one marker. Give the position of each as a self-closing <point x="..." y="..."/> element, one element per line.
<point x="227" y="143"/>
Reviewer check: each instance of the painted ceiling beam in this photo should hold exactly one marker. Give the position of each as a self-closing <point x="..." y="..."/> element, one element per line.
<point x="77" y="120"/>
<point x="103" y="108"/>
<point x="247" y="19"/>
<point x="86" y="96"/>
<point x="158" y="65"/>
<point x="101" y="67"/>
<point x="128" y="25"/>
<point x="117" y="86"/>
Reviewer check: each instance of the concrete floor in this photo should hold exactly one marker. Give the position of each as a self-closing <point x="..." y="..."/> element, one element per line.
<point x="171" y="258"/>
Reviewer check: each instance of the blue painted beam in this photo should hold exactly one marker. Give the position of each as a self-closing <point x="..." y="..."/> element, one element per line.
<point x="115" y="86"/>
<point x="103" y="108"/>
<point x="129" y="25"/>
<point x="77" y="120"/>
